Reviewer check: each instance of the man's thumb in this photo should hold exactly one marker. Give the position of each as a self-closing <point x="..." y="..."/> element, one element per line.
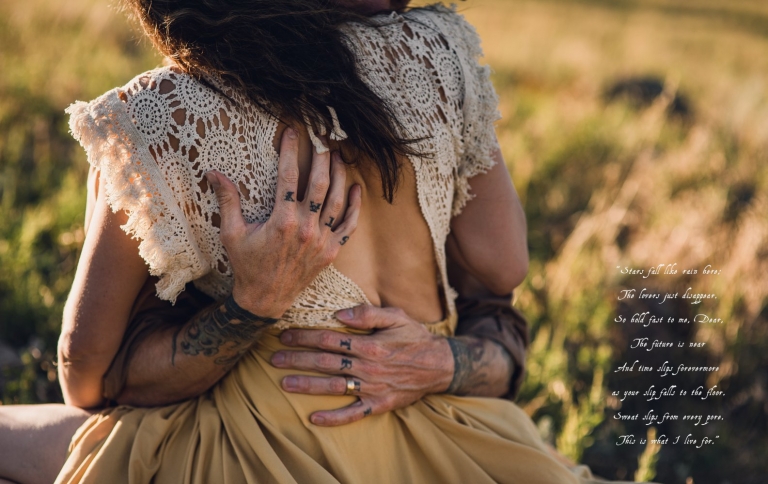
<point x="229" y="202"/>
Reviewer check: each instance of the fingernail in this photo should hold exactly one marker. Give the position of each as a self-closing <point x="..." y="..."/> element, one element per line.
<point x="345" y="314"/>
<point x="212" y="179"/>
<point x="292" y="134"/>
<point x="290" y="382"/>
<point x="318" y="420"/>
<point x="286" y="338"/>
<point x="278" y="358"/>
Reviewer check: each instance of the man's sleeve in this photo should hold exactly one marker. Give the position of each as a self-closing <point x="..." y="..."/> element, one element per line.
<point x="494" y="318"/>
<point x="150" y="315"/>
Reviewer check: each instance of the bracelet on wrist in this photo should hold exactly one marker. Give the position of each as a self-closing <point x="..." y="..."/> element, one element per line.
<point x="234" y="311"/>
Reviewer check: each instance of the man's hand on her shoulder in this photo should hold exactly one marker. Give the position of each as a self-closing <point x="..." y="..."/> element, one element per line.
<point x="391" y="368"/>
<point x="298" y="240"/>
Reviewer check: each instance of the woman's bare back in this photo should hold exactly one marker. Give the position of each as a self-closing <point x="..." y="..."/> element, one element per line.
<point x="391" y="256"/>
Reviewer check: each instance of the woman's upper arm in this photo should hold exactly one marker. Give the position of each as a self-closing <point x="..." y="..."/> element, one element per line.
<point x="489" y="237"/>
<point x="91" y="196"/>
<point x="109" y="276"/>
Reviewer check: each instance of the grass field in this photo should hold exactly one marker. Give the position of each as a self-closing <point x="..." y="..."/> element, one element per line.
<point x="681" y="177"/>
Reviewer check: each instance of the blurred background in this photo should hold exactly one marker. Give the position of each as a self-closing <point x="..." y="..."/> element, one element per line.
<point x="636" y="134"/>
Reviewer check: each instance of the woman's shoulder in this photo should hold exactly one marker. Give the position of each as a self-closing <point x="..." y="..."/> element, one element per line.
<point x="443" y="67"/>
<point x="143" y="138"/>
<point x="153" y="139"/>
<point x="150" y="98"/>
<point x="455" y="28"/>
<point x="167" y="97"/>
<point x="437" y="17"/>
<point x="139" y="111"/>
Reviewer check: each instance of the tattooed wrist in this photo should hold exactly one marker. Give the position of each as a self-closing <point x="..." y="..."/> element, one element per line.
<point x="468" y="363"/>
<point x="481" y="367"/>
<point x="461" y="364"/>
<point x="225" y="332"/>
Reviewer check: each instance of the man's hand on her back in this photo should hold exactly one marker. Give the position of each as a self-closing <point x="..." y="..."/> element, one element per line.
<point x="295" y="243"/>
<point x="396" y="365"/>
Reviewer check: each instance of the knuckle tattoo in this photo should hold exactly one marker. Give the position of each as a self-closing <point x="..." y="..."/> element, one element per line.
<point x="329" y="223"/>
<point x="289" y="197"/>
<point x="314" y="207"/>
<point x="346" y="364"/>
<point x="346" y="343"/>
<point x="344" y="240"/>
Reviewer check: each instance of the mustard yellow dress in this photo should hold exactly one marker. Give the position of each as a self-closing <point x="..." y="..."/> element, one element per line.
<point x="248" y="430"/>
<point x="154" y="139"/>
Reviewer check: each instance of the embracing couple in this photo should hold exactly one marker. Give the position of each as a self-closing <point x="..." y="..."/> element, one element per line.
<point x="307" y="181"/>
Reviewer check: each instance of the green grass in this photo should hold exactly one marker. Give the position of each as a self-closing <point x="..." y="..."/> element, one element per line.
<point x="613" y="184"/>
<point x="603" y="184"/>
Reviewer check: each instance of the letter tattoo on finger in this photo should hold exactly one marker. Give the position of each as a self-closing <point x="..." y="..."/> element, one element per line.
<point x="367" y="412"/>
<point x="314" y="207"/>
<point x="346" y="364"/>
<point x="330" y="222"/>
<point x="346" y="343"/>
<point x="289" y="197"/>
<point x="344" y="240"/>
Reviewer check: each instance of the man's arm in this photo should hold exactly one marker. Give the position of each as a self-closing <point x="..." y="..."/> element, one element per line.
<point x="179" y="362"/>
<point x="485" y="316"/>
<point x="396" y="365"/>
<point x="175" y="363"/>
<point x="491" y="320"/>
<point x="402" y="361"/>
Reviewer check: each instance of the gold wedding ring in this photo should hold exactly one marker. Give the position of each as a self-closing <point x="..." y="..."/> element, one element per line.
<point x="350" y="386"/>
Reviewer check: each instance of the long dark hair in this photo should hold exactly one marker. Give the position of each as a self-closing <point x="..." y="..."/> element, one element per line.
<point x="290" y="57"/>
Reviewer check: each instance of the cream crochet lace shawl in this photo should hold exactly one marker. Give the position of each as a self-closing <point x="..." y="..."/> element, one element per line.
<point x="154" y="139"/>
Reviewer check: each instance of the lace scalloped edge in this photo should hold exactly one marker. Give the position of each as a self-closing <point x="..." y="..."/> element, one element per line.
<point x="480" y="141"/>
<point x="131" y="185"/>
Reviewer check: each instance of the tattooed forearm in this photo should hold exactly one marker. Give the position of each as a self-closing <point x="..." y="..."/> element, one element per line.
<point x="224" y="332"/>
<point x="480" y="366"/>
